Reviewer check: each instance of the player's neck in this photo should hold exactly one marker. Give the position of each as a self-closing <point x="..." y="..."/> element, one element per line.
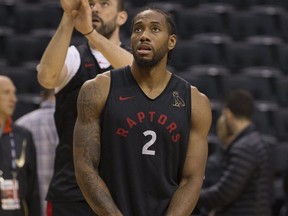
<point x="152" y="82"/>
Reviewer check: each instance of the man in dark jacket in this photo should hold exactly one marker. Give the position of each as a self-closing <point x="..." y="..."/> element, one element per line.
<point x="244" y="188"/>
<point x="18" y="169"/>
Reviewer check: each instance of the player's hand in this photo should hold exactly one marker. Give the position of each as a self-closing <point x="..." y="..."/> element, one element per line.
<point x="82" y="17"/>
<point x="70" y="5"/>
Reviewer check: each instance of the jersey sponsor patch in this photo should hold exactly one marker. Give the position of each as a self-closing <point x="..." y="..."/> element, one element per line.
<point x="122" y="98"/>
<point x="87" y="65"/>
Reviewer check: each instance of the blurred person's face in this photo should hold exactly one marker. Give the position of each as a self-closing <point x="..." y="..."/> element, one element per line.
<point x="222" y="132"/>
<point x="221" y="128"/>
<point x="106" y="17"/>
<point x="8" y="97"/>
<point x="224" y="127"/>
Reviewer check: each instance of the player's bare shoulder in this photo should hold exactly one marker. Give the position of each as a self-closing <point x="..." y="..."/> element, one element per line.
<point x="95" y="91"/>
<point x="199" y="96"/>
<point x="201" y="106"/>
<point x="105" y="75"/>
<point x="103" y="81"/>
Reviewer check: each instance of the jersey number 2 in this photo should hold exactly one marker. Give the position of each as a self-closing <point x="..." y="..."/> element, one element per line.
<point x="145" y="149"/>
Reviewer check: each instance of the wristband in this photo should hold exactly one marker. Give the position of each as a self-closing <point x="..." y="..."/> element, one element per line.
<point x="89" y="32"/>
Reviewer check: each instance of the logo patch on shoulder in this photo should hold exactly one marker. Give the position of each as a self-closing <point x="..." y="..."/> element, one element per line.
<point x="178" y="101"/>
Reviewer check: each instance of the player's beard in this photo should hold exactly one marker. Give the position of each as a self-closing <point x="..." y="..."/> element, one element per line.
<point x="156" y="57"/>
<point x="106" y="29"/>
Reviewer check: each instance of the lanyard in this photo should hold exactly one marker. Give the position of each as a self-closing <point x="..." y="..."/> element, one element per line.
<point x="13" y="157"/>
<point x="12" y="201"/>
<point x="13" y="152"/>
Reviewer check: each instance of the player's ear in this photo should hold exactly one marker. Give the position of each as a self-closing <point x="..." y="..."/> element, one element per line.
<point x="172" y="41"/>
<point x="122" y="18"/>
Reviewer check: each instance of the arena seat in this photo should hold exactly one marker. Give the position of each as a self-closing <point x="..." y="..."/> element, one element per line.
<point x="192" y="21"/>
<point x="282" y="91"/>
<point x="189" y="53"/>
<point x="25" y="48"/>
<point x="264" y="117"/>
<point x="281" y="123"/>
<point x="35" y="16"/>
<point x="243" y="54"/>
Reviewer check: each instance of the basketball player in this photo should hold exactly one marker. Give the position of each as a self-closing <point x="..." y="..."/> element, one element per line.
<point x="65" y="68"/>
<point x="140" y="139"/>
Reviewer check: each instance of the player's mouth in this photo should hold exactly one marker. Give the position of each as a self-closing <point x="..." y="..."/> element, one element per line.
<point x="96" y="19"/>
<point x="144" y="49"/>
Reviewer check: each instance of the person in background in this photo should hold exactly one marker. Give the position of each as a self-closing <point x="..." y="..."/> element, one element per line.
<point x="41" y="124"/>
<point x="65" y="69"/>
<point x="213" y="170"/>
<point x="140" y="139"/>
<point x="213" y="166"/>
<point x="244" y="188"/>
<point x="18" y="163"/>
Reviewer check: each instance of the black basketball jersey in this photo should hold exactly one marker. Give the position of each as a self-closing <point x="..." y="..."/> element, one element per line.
<point x="63" y="186"/>
<point x="144" y="143"/>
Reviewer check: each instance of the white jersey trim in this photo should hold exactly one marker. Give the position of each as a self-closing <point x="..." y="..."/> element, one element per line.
<point x="73" y="62"/>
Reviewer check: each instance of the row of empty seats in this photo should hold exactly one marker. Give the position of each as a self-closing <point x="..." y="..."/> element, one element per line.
<point x="213" y="77"/>
<point x="238" y="4"/>
<point x="264" y="45"/>
<point x="208" y="49"/>
<point x="217" y="81"/>
<point x="222" y="50"/>
<point x="258" y="20"/>
<point x="23" y="17"/>
<point x="205" y="18"/>
<point x="225" y="18"/>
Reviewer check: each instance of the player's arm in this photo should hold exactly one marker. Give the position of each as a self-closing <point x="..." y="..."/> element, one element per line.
<point x="86" y="146"/>
<point x="51" y="68"/>
<point x="117" y="56"/>
<point x="185" y="198"/>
